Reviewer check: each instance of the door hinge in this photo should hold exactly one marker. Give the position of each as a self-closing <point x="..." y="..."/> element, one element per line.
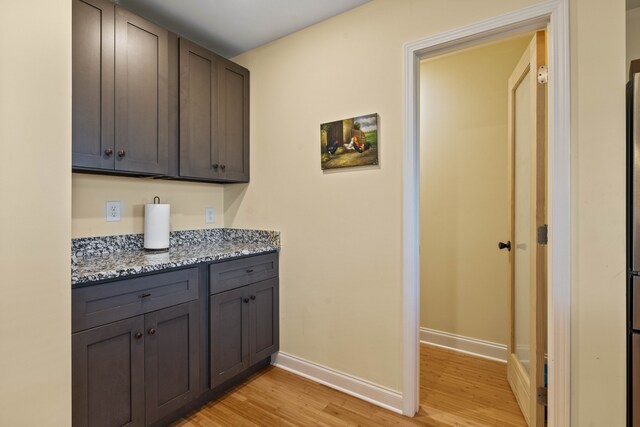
<point x="542" y="396"/>
<point x="543" y="74"/>
<point x="543" y="234"/>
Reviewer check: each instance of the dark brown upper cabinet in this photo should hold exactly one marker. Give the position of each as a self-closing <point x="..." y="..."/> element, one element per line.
<point x="214" y="116"/>
<point x="146" y="104"/>
<point x="120" y="91"/>
<point x="233" y="107"/>
<point x="142" y="91"/>
<point x="93" y="84"/>
<point x="198" y="140"/>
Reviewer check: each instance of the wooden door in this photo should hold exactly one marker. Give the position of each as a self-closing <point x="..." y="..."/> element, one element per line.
<point x="93" y="83"/>
<point x="229" y="329"/>
<point x="263" y="320"/>
<point x="172" y="363"/>
<point x="198" y="112"/>
<point x="108" y="375"/>
<point x="233" y="122"/>
<point x="527" y="195"/>
<point x="141" y="95"/>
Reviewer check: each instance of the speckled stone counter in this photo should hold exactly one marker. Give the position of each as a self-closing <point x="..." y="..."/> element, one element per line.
<point x="100" y="258"/>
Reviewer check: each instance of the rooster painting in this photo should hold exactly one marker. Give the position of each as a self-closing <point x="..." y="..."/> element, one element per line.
<point x="349" y="142"/>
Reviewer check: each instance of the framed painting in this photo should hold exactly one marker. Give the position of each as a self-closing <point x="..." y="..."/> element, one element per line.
<point x="349" y="142"/>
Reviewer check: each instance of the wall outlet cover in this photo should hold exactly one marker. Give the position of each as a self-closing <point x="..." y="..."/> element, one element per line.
<point x="209" y="215"/>
<point x="113" y="210"/>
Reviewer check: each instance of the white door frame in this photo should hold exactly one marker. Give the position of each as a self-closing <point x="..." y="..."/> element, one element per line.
<point x="554" y="14"/>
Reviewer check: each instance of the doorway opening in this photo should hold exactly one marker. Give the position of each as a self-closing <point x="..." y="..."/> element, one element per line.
<point x="482" y="196"/>
<point x="552" y="15"/>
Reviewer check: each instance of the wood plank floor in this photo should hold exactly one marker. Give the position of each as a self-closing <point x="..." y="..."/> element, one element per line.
<point x="456" y="390"/>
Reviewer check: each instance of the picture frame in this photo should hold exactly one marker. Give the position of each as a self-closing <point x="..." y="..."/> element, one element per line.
<point x="349" y="142"/>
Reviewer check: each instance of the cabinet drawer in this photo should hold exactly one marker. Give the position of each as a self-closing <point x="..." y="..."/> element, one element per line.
<point x="228" y="275"/>
<point x="101" y="304"/>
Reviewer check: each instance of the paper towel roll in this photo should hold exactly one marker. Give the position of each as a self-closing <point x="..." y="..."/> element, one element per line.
<point x="157" y="221"/>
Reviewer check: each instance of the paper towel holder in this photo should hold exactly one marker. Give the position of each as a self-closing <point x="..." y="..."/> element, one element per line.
<point x="156" y="227"/>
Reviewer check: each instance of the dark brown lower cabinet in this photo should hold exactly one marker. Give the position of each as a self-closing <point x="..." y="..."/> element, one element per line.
<point x="243" y="327"/>
<point x="263" y="320"/>
<point x="171" y="359"/>
<point x="148" y="349"/>
<point x="108" y="375"/>
<point x="135" y="371"/>
<point x="229" y="329"/>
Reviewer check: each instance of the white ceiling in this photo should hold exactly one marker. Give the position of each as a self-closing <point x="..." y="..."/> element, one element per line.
<point x="230" y="27"/>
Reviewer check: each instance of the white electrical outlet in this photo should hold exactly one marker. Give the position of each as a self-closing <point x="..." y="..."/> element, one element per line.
<point x="112" y="211"/>
<point x="209" y="215"/>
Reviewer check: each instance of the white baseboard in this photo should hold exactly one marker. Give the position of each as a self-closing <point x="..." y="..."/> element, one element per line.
<point x="475" y="347"/>
<point x="362" y="389"/>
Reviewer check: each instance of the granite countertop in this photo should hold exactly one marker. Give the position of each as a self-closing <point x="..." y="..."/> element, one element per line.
<point x="100" y="258"/>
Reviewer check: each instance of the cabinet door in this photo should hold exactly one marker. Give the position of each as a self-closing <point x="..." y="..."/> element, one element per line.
<point x="108" y="375"/>
<point x="93" y="82"/>
<point x="263" y="320"/>
<point x="171" y="359"/>
<point x="198" y="112"/>
<point x="234" y="122"/>
<point x="229" y="328"/>
<point x="141" y="94"/>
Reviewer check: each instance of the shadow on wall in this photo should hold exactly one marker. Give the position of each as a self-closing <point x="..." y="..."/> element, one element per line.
<point x="351" y="169"/>
<point x="233" y="196"/>
<point x="188" y="202"/>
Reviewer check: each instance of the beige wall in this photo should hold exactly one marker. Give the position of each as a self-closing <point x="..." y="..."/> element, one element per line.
<point x="341" y="276"/>
<point x="598" y="212"/>
<point x="35" y="208"/>
<point x="341" y="279"/>
<point x="633" y="35"/>
<point x="463" y="190"/>
<point x="188" y="201"/>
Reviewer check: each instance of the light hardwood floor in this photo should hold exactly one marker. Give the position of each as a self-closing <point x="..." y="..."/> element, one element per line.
<point x="456" y="390"/>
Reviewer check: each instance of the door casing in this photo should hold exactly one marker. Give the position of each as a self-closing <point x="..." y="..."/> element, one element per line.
<point x="554" y="16"/>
